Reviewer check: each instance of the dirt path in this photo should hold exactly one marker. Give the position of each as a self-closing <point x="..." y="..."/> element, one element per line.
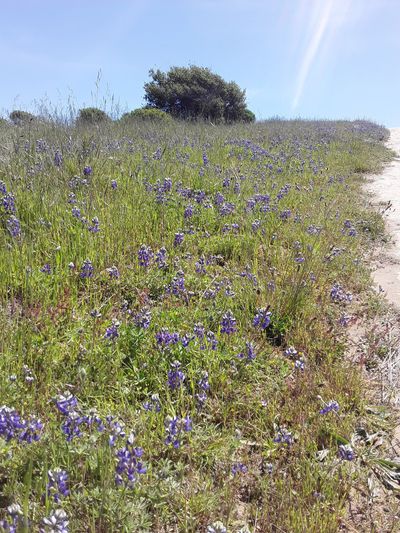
<point x="385" y="189"/>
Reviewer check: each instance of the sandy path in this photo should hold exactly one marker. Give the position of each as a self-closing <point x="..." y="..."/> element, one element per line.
<point x="385" y="188"/>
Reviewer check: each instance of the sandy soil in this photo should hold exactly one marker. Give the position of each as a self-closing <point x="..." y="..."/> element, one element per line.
<point x="385" y="190"/>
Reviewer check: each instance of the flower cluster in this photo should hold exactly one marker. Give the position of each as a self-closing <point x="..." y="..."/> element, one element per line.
<point x="175" y="427"/>
<point x="129" y="464"/>
<point x="12" y="426"/>
<point x="262" y="318"/>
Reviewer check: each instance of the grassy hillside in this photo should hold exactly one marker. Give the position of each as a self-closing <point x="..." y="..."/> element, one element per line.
<point x="172" y="305"/>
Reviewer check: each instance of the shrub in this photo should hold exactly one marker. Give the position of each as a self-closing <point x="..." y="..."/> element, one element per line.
<point x="92" y="115"/>
<point x="248" y="116"/>
<point x="146" y="114"/>
<point x="19" y="117"/>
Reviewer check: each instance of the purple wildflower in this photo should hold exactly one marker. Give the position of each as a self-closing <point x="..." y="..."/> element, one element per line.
<point x="86" y="270"/>
<point x="176" y="376"/>
<point x="228" y="323"/>
<point x="114" y="184"/>
<point x="238" y="468"/>
<point x="283" y="436"/>
<point x="57" y="522"/>
<point x="178" y="239"/>
<point x="145" y="254"/>
<point x="87" y="171"/>
<point x="161" y="258"/>
<point x="113" y="272"/>
<point x="112" y="332"/>
<point x="58" y="158"/>
<point x="129" y="464"/>
<point x="46" y="269"/>
<point x="262" y="319"/>
<point x="153" y="404"/>
<point x="165" y="339"/>
<point x="13" y="226"/>
<point x="346" y="452"/>
<point x="174" y="428"/>
<point x="332" y="405"/>
<point x="8" y="202"/>
<point x="57" y="486"/>
<point x="143" y="319"/>
<point x="95" y="227"/>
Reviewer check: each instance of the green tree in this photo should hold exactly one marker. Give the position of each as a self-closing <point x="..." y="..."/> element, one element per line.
<point x="196" y="92"/>
<point x="147" y="115"/>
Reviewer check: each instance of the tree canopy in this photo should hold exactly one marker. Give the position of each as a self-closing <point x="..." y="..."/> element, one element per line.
<point x="196" y="92"/>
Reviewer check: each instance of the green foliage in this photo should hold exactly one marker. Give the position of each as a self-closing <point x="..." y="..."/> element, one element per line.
<point x="91" y="115"/>
<point x="196" y="93"/>
<point x="20" y="118"/>
<point x="54" y="321"/>
<point x="248" y="116"/>
<point x="146" y="114"/>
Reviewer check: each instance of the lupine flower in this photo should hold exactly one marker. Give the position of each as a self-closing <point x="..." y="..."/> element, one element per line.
<point x="228" y="323"/>
<point x="57" y="486"/>
<point x="199" y="331"/>
<point x="13" y="226"/>
<point x="143" y="319"/>
<point x="188" y="213"/>
<point x="200" y="265"/>
<point x="66" y="404"/>
<point x="57" y="522"/>
<point x="153" y="404"/>
<point x="114" y="184"/>
<point x="176" y="376"/>
<point x="12" y="426"/>
<point x="299" y="364"/>
<point x="249" y="353"/>
<point x="3" y="188"/>
<point x="14" y="520"/>
<point x="76" y="212"/>
<point x="46" y="269"/>
<point x="332" y="405"/>
<point x="238" y="468"/>
<point x="58" y="158"/>
<point x="95" y="227"/>
<point x="344" y="320"/>
<point x="112" y="332"/>
<point x="178" y="239"/>
<point x="283" y="436"/>
<point x="31" y="431"/>
<point x="115" y="428"/>
<point x="8" y="202"/>
<point x="87" y="171"/>
<point x="205" y="159"/>
<point x="212" y="340"/>
<point x="161" y="258"/>
<point x="291" y="352"/>
<point x="204" y="387"/>
<point x="86" y="270"/>
<point x="113" y="272"/>
<point x="177" y="285"/>
<point x="262" y="319"/>
<point x="145" y="255"/>
<point x="165" y="339"/>
<point x="129" y="465"/>
<point x="338" y="294"/>
<point x="175" y="427"/>
<point x="346" y="452"/>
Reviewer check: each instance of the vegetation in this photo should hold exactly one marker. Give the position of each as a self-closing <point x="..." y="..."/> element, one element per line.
<point x="153" y="115"/>
<point x="196" y="92"/>
<point x="19" y="117"/>
<point x="173" y="302"/>
<point x="92" y="115"/>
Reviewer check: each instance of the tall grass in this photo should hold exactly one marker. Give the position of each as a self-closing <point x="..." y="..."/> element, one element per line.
<point x="272" y="228"/>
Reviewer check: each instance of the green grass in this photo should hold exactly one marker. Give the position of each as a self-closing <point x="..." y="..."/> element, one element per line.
<point x="47" y="325"/>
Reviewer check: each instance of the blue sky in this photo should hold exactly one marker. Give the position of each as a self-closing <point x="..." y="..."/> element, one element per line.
<point x="308" y="58"/>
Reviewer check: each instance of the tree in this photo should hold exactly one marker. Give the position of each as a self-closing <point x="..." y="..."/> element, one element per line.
<point x="91" y="115"/>
<point x="196" y="92"/>
<point x="146" y="115"/>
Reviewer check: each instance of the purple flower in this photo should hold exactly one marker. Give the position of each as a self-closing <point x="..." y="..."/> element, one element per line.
<point x="31" y="431"/>
<point x="338" y="294"/>
<point x="57" y="486"/>
<point x="145" y="254"/>
<point x="15" y="519"/>
<point x="12" y="426"/>
<point x="46" y="269"/>
<point x="87" y="171"/>
<point x="165" y="339"/>
<point x="249" y="353"/>
<point x="291" y="352"/>
<point x="112" y="332"/>
<point x="212" y="341"/>
<point x="95" y="227"/>
<point x="129" y="464"/>
<point x="176" y="377"/>
<point x="188" y="213"/>
<point x="161" y="258"/>
<point x="143" y="319"/>
<point x="58" y="158"/>
<point x="199" y="331"/>
<point x="346" y="452"/>
<point x="228" y="323"/>
<point x="332" y="405"/>
<point x="262" y="319"/>
<point x="113" y="272"/>
<point x="153" y="404"/>
<point x="174" y="428"/>
<point x="238" y="468"/>
<point x="114" y="184"/>
<point x="86" y="270"/>
<point x="13" y="226"/>
<point x="204" y="387"/>
<point x="66" y="404"/>
<point x="178" y="239"/>
<point x="200" y="265"/>
<point x="283" y="436"/>
<point x="8" y="202"/>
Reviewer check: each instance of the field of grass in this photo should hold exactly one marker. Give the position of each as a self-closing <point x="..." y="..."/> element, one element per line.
<point x="172" y="303"/>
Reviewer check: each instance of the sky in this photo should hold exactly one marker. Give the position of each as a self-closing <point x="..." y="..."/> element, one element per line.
<point x="295" y="58"/>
